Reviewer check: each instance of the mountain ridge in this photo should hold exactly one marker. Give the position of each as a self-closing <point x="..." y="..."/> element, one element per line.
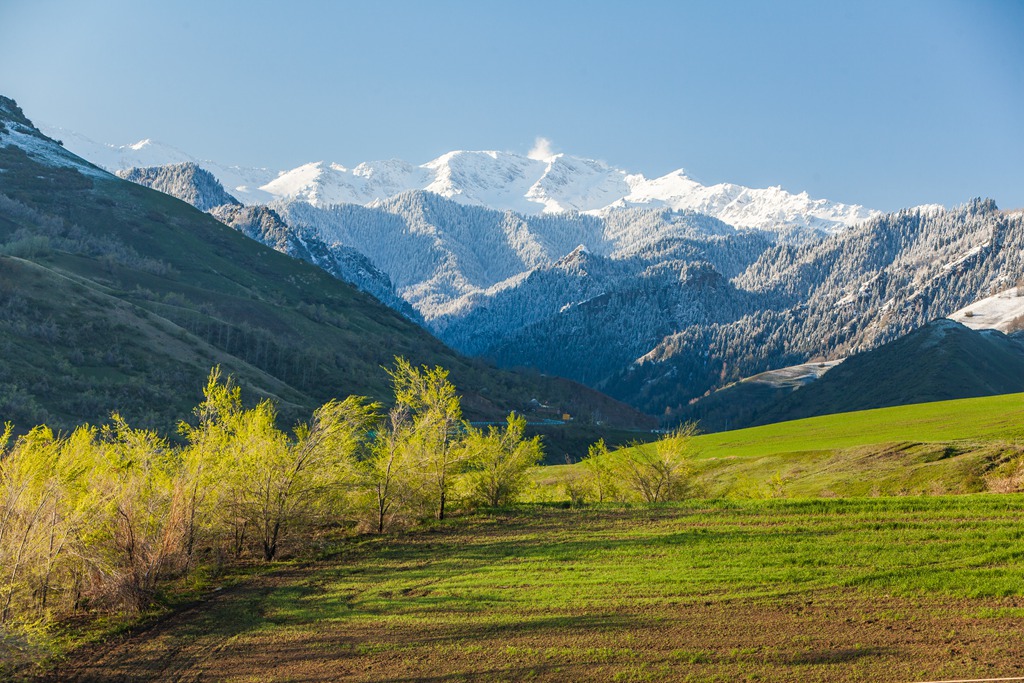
<point x="661" y="304"/>
<point x="118" y="297"/>
<point x="559" y="183"/>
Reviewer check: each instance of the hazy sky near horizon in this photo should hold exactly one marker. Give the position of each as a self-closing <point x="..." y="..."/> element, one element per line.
<point x="886" y="104"/>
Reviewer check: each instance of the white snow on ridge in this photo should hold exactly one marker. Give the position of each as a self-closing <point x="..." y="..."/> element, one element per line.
<point x="498" y="180"/>
<point x="243" y="183"/>
<point x="506" y="181"/>
<point x="973" y="251"/>
<point x="45" y="152"/>
<point x="794" y="376"/>
<point x="743" y="207"/>
<point x="996" y="312"/>
<point x="118" y="157"/>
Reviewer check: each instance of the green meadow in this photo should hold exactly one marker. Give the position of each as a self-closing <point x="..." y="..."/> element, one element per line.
<point x="828" y="549"/>
<point x="973" y="420"/>
<point x="960" y="446"/>
<point x="886" y="589"/>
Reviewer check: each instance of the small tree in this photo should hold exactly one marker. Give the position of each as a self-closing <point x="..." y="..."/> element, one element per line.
<point x="437" y="426"/>
<point x="209" y="499"/>
<point x="385" y="480"/>
<point x="43" y="501"/>
<point x="600" y="473"/>
<point x="500" y="460"/>
<point x="141" y="534"/>
<point x="288" y="484"/>
<point x="660" y="471"/>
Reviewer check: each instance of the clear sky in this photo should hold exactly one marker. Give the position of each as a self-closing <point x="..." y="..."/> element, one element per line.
<point x="887" y="104"/>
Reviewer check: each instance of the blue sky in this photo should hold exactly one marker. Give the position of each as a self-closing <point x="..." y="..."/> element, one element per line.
<point x="887" y="104"/>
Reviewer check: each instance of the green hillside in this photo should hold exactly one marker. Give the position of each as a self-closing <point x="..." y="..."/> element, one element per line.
<point x="976" y="420"/>
<point x="954" y="446"/>
<point x="117" y="297"/>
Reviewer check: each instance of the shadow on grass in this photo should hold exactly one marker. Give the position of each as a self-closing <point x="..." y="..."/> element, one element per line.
<point x="840" y="656"/>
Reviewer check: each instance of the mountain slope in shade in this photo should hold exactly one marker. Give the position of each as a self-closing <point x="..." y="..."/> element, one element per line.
<point x="940" y="361"/>
<point x="117" y="297"/>
<point x="742" y="404"/>
<point x="504" y="181"/>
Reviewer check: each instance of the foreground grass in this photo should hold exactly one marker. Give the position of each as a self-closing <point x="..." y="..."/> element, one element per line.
<point x="868" y="589"/>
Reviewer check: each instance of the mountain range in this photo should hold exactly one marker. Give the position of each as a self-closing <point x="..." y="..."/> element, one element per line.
<point x="115" y="297"/>
<point x="654" y="291"/>
<point x="505" y="181"/>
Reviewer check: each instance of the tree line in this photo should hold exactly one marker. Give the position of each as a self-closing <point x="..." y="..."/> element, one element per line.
<point x="98" y="518"/>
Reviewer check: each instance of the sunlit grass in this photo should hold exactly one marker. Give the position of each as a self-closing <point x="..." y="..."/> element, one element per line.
<point x="927" y="448"/>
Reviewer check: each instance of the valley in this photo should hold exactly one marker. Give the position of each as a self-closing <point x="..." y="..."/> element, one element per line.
<point x="509" y="331"/>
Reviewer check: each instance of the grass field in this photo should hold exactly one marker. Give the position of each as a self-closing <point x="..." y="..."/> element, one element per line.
<point x="888" y="589"/>
<point x="927" y="448"/>
<point x="988" y="419"/>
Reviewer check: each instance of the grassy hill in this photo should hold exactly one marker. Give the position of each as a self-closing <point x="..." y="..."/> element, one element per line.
<point x="926" y="448"/>
<point x="117" y="297"/>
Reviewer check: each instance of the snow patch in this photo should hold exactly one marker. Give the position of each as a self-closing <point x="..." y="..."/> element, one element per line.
<point x="973" y="251"/>
<point x="997" y="312"/>
<point x="46" y="151"/>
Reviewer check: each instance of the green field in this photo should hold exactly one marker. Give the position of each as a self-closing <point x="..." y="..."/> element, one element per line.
<point x="986" y="420"/>
<point x="893" y="589"/>
<point x="927" y="448"/>
<point x="849" y="575"/>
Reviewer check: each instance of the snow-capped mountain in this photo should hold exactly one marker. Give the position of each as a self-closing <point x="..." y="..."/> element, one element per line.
<point x="503" y="181"/>
<point x="654" y="290"/>
<point x="186" y="181"/>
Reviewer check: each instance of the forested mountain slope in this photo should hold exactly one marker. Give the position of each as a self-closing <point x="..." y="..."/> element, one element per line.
<point x="116" y="297"/>
<point x="653" y="302"/>
<point x="828" y="299"/>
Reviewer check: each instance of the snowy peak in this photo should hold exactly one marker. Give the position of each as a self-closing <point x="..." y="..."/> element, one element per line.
<point x="576" y="261"/>
<point x="504" y="181"/>
<point x="241" y="182"/>
<point x="574" y="184"/>
<point x="498" y="180"/>
<point x="142" y="154"/>
<point x="743" y="207"/>
<point x="326" y="184"/>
